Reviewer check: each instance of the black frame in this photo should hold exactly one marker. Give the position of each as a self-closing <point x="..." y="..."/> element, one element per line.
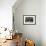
<point x="29" y="16"/>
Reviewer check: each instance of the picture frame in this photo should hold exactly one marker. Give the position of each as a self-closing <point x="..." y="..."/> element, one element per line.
<point x="29" y="19"/>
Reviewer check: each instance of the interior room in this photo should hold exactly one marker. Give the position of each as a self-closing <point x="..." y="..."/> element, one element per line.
<point x="22" y="22"/>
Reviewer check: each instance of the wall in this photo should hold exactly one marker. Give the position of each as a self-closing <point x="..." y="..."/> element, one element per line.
<point x="43" y="22"/>
<point x="28" y="7"/>
<point x="6" y="13"/>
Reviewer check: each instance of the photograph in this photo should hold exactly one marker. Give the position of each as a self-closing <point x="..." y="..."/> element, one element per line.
<point x="29" y="19"/>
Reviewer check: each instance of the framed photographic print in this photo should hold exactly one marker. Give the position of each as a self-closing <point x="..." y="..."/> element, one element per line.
<point x="29" y="19"/>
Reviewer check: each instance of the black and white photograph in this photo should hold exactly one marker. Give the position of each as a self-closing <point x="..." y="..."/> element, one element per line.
<point x="29" y="19"/>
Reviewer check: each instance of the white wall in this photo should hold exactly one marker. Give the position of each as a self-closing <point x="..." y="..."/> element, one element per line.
<point x="43" y="22"/>
<point x="6" y="13"/>
<point x="38" y="31"/>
